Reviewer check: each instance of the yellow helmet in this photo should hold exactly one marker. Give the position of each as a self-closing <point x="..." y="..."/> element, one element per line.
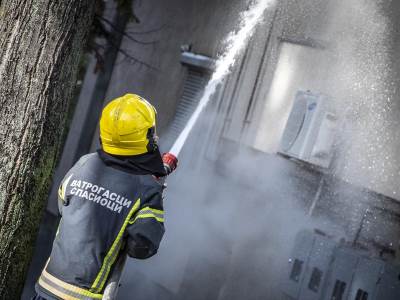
<point x="127" y="126"/>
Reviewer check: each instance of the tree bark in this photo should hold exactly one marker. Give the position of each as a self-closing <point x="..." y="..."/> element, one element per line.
<point x="40" y="46"/>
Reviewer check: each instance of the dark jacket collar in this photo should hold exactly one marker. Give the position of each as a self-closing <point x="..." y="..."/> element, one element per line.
<point x="143" y="164"/>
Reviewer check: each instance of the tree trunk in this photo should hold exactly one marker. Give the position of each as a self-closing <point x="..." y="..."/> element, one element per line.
<point x="40" y="46"/>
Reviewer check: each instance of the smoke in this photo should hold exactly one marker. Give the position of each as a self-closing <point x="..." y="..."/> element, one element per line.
<point x="231" y="225"/>
<point x="236" y="220"/>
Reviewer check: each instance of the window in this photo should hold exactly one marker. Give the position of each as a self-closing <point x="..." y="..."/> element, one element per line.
<point x="315" y="280"/>
<point x="194" y="84"/>
<point x="361" y="295"/>
<point x="296" y="270"/>
<point x="338" y="290"/>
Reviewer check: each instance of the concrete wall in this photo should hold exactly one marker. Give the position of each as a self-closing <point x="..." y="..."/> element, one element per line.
<point x="201" y="24"/>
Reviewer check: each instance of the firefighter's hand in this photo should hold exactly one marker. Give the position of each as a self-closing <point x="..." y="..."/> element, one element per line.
<point x="170" y="162"/>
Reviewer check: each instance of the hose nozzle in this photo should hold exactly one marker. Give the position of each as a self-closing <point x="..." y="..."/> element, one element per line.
<point x="170" y="162"/>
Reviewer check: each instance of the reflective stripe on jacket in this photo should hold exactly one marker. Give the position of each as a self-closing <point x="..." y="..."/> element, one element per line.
<point x="104" y="210"/>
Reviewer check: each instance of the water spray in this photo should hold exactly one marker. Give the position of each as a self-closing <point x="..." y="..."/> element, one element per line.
<point x="236" y="41"/>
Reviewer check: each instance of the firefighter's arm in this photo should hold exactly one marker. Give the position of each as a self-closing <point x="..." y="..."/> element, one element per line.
<point x="146" y="229"/>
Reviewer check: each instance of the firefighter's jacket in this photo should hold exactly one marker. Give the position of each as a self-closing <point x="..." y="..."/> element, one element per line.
<point x="104" y="209"/>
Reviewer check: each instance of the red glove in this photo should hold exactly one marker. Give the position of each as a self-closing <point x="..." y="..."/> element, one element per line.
<point x="170" y="162"/>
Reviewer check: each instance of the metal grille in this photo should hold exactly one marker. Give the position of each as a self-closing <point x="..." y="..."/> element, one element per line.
<point x="192" y="91"/>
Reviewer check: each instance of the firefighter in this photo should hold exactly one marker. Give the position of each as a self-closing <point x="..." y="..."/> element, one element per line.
<point x="110" y="203"/>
